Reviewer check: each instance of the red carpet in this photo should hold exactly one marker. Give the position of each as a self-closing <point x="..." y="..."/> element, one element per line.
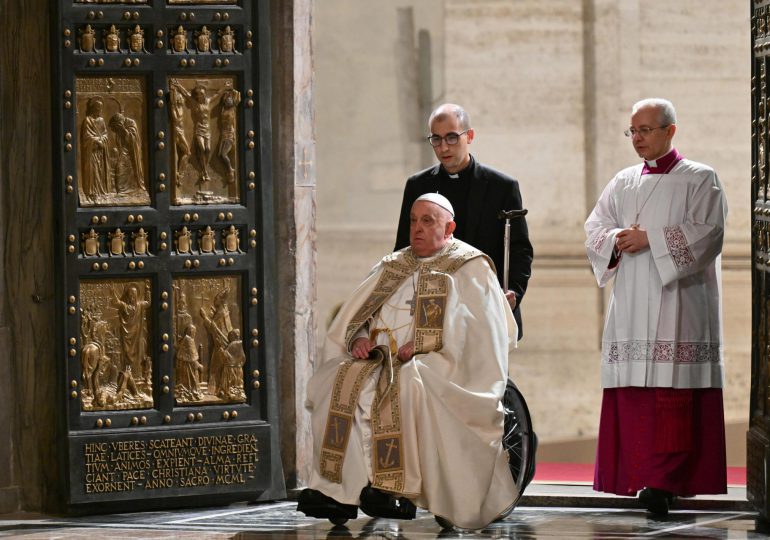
<point x="583" y="473"/>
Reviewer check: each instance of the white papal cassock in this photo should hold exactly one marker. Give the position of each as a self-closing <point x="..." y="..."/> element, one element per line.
<point x="663" y="327"/>
<point x="451" y="417"/>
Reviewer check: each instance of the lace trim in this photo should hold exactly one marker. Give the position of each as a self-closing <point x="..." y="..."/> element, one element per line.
<point x="661" y="352"/>
<point x="677" y="246"/>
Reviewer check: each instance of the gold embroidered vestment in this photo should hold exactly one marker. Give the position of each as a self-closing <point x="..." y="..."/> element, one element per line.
<point x="432" y="289"/>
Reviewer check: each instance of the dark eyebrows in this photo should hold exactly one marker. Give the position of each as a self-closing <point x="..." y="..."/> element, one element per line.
<point x="433" y="217"/>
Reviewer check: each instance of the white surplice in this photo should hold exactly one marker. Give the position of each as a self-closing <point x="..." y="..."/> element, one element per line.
<point x="663" y="326"/>
<point x="452" y="417"/>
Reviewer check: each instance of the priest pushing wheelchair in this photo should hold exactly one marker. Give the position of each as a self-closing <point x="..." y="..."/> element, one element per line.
<point x="411" y="405"/>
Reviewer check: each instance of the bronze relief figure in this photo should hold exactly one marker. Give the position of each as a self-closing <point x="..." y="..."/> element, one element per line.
<point x="115" y="351"/>
<point x="209" y="353"/>
<point x="87" y="38"/>
<point x="136" y="39"/>
<point x="112" y="154"/>
<point x="94" y="169"/>
<point x="112" y="39"/>
<point x="226" y="40"/>
<point x="203" y="40"/>
<point x="179" y="40"/>
<point x="204" y="118"/>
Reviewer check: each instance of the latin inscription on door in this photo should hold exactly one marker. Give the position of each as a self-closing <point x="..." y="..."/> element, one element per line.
<point x="154" y="464"/>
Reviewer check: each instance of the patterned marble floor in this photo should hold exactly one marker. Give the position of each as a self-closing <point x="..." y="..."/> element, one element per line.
<point x="279" y="520"/>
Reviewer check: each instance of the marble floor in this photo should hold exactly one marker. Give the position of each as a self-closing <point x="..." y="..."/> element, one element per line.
<point x="604" y="518"/>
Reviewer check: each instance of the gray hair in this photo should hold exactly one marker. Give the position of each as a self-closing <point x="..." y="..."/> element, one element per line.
<point x="463" y="118"/>
<point x="664" y="106"/>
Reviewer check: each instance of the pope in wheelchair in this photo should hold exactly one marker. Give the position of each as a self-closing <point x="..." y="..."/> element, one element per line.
<point x="411" y="405"/>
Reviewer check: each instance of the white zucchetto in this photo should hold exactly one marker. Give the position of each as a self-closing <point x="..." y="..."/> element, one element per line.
<point x="438" y="199"/>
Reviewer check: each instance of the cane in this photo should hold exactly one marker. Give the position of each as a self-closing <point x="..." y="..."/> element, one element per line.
<point x="508" y="215"/>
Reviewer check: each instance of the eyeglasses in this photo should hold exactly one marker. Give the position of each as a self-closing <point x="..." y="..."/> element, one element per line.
<point x="643" y="131"/>
<point x="450" y="138"/>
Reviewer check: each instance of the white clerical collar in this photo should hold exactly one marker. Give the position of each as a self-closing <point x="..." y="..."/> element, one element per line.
<point x="456" y="175"/>
<point x="652" y="163"/>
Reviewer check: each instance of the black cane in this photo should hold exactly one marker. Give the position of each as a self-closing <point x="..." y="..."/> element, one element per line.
<point x="507" y="215"/>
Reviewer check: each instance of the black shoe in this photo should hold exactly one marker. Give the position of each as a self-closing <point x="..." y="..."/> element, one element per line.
<point x="378" y="503"/>
<point x="315" y="504"/>
<point x="444" y="523"/>
<point x="657" y="501"/>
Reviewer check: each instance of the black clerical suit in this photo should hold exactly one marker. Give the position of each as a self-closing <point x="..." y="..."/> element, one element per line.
<point x="477" y="194"/>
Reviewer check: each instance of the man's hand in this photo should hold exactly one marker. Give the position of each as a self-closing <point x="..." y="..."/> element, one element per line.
<point x="406" y="351"/>
<point x="511" y="297"/>
<point x="361" y="348"/>
<point x="632" y="240"/>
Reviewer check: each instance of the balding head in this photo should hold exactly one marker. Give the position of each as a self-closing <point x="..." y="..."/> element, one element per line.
<point x="450" y="110"/>
<point x="451" y="135"/>
<point x="663" y="107"/>
<point x="652" y="127"/>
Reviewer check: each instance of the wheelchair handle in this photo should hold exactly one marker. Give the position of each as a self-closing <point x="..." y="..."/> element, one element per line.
<point x="507" y="215"/>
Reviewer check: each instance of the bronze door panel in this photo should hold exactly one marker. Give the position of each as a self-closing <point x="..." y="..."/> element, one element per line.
<point x="758" y="447"/>
<point x="166" y="250"/>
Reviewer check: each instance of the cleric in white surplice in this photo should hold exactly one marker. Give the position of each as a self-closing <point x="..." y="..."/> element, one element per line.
<point x="422" y="425"/>
<point x="657" y="229"/>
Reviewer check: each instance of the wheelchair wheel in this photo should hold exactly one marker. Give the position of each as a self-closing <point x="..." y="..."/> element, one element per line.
<point x="519" y="439"/>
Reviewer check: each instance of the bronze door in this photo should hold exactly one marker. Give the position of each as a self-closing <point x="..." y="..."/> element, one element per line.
<point x="165" y="234"/>
<point x="758" y="438"/>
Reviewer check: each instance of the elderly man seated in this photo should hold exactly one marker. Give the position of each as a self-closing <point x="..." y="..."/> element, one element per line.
<point x="406" y="405"/>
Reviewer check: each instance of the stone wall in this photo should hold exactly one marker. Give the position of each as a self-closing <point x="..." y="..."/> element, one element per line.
<point x="549" y="87"/>
<point x="294" y="171"/>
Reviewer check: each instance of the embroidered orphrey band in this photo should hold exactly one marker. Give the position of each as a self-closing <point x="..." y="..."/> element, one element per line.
<point x="387" y="439"/>
<point x="432" y="290"/>
<point x="350" y="378"/>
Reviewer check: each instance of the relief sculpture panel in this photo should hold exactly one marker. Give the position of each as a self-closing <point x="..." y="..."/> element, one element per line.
<point x="204" y="116"/>
<point x="115" y="358"/>
<point x="112" y="149"/>
<point x="209" y="354"/>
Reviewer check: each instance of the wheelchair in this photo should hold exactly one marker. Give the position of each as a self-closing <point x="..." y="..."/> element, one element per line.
<point x="519" y="439"/>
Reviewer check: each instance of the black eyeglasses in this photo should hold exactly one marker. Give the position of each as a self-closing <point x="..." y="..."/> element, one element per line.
<point x="450" y="138"/>
<point x="643" y="131"/>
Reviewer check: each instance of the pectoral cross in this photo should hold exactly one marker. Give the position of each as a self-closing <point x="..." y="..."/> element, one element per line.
<point x="412" y="303"/>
